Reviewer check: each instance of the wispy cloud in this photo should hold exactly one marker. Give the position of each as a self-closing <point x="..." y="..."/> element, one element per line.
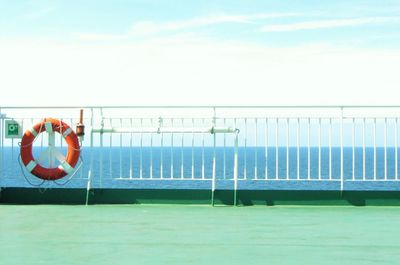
<point x="151" y="27"/>
<point x="324" y="24"/>
<point x="39" y="13"/>
<point x="90" y="36"/>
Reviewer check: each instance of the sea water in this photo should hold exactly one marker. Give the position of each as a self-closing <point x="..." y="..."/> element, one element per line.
<point x="121" y="163"/>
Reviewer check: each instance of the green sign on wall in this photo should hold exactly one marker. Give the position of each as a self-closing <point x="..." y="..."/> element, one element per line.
<point x="13" y="129"/>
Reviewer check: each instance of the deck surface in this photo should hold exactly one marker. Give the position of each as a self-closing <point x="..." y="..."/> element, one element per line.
<point x="188" y="234"/>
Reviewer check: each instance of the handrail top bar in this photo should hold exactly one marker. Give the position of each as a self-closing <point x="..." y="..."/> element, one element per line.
<point x="203" y="107"/>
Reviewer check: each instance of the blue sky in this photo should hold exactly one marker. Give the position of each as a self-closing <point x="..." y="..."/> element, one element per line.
<point x="319" y="52"/>
<point x="372" y="24"/>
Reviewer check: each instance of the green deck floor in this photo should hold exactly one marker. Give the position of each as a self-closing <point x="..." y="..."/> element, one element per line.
<point x="180" y="234"/>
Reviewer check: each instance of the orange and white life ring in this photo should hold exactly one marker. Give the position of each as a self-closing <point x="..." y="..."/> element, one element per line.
<point x="66" y="167"/>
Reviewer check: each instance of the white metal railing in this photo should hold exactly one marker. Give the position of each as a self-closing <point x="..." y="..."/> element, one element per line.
<point x="221" y="147"/>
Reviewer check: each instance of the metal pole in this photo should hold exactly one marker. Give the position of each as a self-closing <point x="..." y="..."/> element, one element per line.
<point x="319" y="148"/>
<point x="235" y="169"/>
<point x="287" y="148"/>
<point x="202" y="152"/>
<point x="101" y="154"/>
<point x="364" y="158"/>
<point x="224" y="151"/>
<point x="245" y="149"/>
<point x="277" y="150"/>
<point x="385" y="148"/>
<point x="141" y="151"/>
<point x="151" y="150"/>
<point x="193" y="149"/>
<point x="172" y="151"/>
<point x="110" y="152"/>
<point x="353" y="149"/>
<point x="374" y="148"/>
<point x="330" y="148"/>
<point x="395" y="149"/>
<point x="298" y="148"/>
<point x="255" y="149"/>
<point x="341" y="151"/>
<point x="182" y="143"/>
<point x="162" y="154"/>
<point x="266" y="148"/>
<point x="308" y="150"/>
<point x="120" y="153"/>
<point x="130" y="152"/>
<point x="90" y="173"/>
<point x="214" y="161"/>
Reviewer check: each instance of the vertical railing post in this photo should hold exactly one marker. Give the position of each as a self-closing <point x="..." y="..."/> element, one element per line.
<point x="182" y="143"/>
<point x="319" y="148"/>
<point x="353" y="150"/>
<point x="255" y="149"/>
<point x="192" y="154"/>
<point x="277" y="150"/>
<point x="130" y="151"/>
<point x="214" y="160"/>
<point x="245" y="150"/>
<point x="395" y="149"/>
<point x="266" y="148"/>
<point x="235" y="168"/>
<point x="363" y="149"/>
<point x="341" y="151"/>
<point x="374" y="148"/>
<point x="330" y="148"/>
<point x="385" y="148"/>
<point x="141" y="151"/>
<point x="172" y="151"/>
<point x="90" y="173"/>
<point x="160" y="124"/>
<point x="287" y="148"/>
<point x="224" y="174"/>
<point x="298" y="149"/>
<point x="120" y="151"/>
<point x="202" y="152"/>
<point x="308" y="150"/>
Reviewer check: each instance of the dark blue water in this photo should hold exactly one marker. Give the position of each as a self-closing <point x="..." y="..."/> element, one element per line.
<point x="112" y="168"/>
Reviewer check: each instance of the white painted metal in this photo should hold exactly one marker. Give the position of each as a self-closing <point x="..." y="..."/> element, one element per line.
<point x="141" y="151"/>
<point x="385" y="149"/>
<point x="341" y="152"/>
<point x="277" y="150"/>
<point x="192" y="166"/>
<point x="130" y="151"/>
<point x="330" y="149"/>
<point x="266" y="148"/>
<point x="354" y="114"/>
<point x="396" y="175"/>
<point x="308" y="150"/>
<point x="151" y="152"/>
<point x="287" y="149"/>
<point x="374" y="148"/>
<point x="224" y="173"/>
<point x="245" y="150"/>
<point x="363" y="147"/>
<point x="120" y="152"/>
<point x="172" y="152"/>
<point x="353" y="139"/>
<point x="235" y="167"/>
<point x="319" y="148"/>
<point x="202" y="153"/>
<point x="298" y="148"/>
<point x="255" y="149"/>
